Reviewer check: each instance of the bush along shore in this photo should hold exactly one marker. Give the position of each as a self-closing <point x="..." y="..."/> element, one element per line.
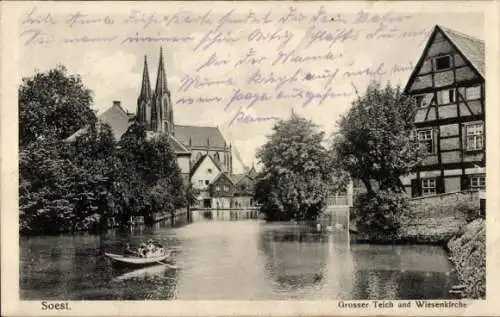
<point x="450" y="220"/>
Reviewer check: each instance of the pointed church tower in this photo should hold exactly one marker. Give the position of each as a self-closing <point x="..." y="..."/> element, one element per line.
<point x="144" y="100"/>
<point x="162" y="117"/>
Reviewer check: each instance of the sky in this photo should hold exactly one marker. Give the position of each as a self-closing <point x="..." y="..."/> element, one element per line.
<point x="333" y="50"/>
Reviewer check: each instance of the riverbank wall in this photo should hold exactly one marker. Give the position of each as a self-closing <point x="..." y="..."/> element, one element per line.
<point x="180" y="214"/>
<point x="468" y="254"/>
<point x="455" y="221"/>
<point x="431" y="220"/>
<point x="437" y="219"/>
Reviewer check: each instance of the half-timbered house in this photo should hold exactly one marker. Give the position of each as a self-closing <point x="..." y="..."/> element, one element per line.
<point x="448" y="84"/>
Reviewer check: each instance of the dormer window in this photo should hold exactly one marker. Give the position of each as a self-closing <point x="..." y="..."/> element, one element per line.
<point x="442" y="62"/>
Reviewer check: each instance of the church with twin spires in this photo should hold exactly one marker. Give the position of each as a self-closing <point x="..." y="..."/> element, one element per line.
<point x="191" y="143"/>
<point x="203" y="154"/>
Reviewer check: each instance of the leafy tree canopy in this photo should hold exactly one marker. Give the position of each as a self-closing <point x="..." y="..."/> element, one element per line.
<point x="297" y="173"/>
<point x="375" y="139"/>
<point x="53" y="105"/>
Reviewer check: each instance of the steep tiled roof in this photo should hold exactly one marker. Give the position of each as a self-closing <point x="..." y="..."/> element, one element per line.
<point x="236" y="177"/>
<point x="472" y="48"/>
<point x="200" y="136"/>
<point x="178" y="147"/>
<point x="223" y="174"/>
<point x="117" y="118"/>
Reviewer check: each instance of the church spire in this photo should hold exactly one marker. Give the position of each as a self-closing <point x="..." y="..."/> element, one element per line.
<point x="162" y="116"/>
<point x="144" y="100"/>
<point x="161" y="79"/>
<point x="146" y="86"/>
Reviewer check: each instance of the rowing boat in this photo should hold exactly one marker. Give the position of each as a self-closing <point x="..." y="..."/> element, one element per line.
<point x="135" y="261"/>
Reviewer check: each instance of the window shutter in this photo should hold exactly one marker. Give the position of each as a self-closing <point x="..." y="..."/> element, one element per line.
<point x="415" y="188"/>
<point x="464" y="137"/>
<point x="439" y="185"/>
<point x="464" y="182"/>
<point x="435" y="140"/>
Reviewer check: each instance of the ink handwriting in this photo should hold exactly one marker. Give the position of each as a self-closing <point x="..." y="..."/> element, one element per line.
<point x="242" y="57"/>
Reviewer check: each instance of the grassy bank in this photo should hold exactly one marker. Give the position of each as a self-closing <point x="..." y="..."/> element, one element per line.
<point x="468" y="254"/>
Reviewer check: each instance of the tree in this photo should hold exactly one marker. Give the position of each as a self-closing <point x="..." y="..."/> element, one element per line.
<point x="297" y="175"/>
<point x="66" y="186"/>
<point x="53" y="105"/>
<point x="147" y="177"/>
<point x="375" y="144"/>
<point x="62" y="185"/>
<point x="375" y="140"/>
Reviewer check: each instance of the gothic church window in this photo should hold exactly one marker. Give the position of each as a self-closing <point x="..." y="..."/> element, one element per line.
<point x="217" y="157"/>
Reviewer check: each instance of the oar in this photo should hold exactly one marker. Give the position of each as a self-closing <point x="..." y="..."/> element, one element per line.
<point x="170" y="266"/>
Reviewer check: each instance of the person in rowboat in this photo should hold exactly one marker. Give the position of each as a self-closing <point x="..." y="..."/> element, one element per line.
<point x="142" y="250"/>
<point x="128" y="251"/>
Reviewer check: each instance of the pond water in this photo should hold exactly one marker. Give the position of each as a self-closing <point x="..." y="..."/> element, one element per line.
<point x="233" y="260"/>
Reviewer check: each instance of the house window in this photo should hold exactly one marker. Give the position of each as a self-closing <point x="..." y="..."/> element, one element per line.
<point x="207" y="182"/>
<point x="428" y="186"/>
<point x="474" y="136"/>
<point x="209" y="171"/>
<point x="217" y="188"/>
<point x="226" y="188"/>
<point x="446" y="96"/>
<point x="200" y="182"/>
<point x="423" y="100"/>
<point x="472" y="93"/>
<point x="477" y="182"/>
<point x="442" y="62"/>
<point x="425" y="138"/>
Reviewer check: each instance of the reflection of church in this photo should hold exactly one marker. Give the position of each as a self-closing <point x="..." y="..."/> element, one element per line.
<point x="155" y="110"/>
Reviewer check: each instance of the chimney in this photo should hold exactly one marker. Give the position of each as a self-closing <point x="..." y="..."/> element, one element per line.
<point x="116" y="103"/>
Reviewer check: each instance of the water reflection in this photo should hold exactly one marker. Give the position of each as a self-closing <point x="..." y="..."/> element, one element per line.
<point x="233" y="260"/>
<point x="406" y="272"/>
<point x="295" y="257"/>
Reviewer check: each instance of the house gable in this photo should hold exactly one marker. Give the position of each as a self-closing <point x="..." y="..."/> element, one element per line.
<point x="448" y="86"/>
<point x="444" y="78"/>
<point x="204" y="172"/>
<point x="440" y="44"/>
<point x="222" y="186"/>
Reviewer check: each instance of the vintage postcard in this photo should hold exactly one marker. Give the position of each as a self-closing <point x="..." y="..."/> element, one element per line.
<point x="250" y="158"/>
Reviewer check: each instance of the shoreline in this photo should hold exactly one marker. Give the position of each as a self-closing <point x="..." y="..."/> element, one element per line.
<point x="465" y="250"/>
